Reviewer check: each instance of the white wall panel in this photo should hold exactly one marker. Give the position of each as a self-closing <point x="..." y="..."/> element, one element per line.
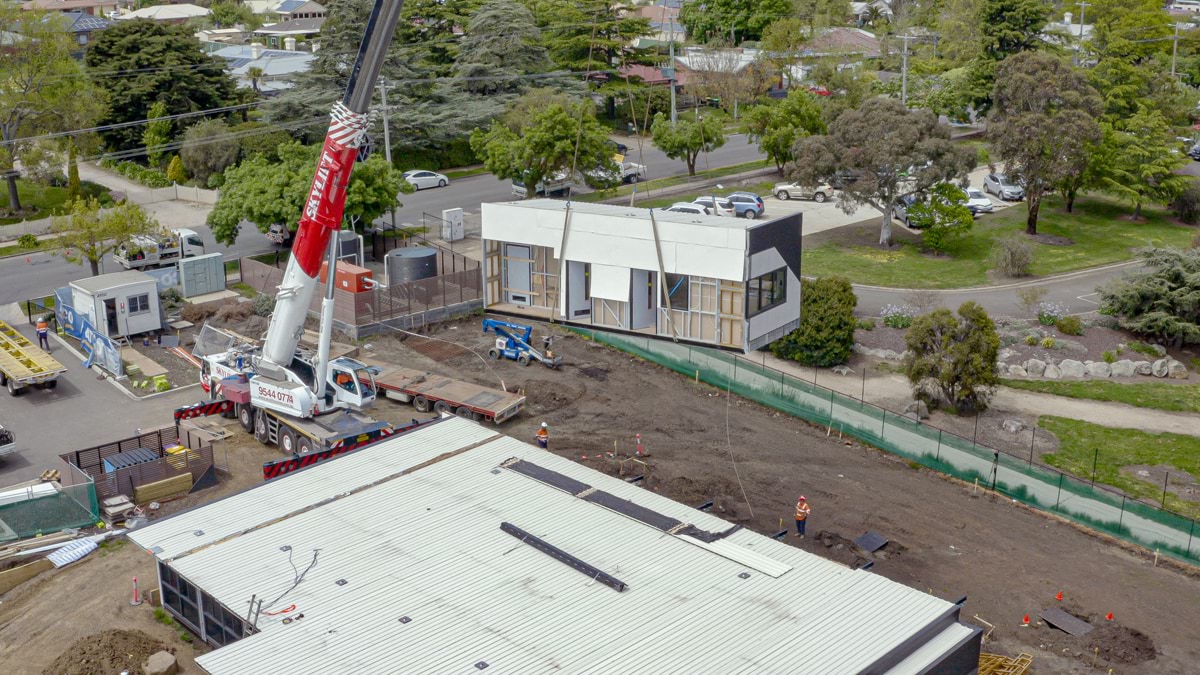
<point x="610" y="282"/>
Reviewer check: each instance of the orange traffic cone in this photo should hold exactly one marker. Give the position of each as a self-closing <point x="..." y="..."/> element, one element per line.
<point x="1025" y="621"/>
<point x="1059" y="596"/>
<point x="1108" y="617"/>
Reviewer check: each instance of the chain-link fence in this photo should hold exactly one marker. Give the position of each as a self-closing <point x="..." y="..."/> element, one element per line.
<point x="1019" y="478"/>
<point x="35" y="509"/>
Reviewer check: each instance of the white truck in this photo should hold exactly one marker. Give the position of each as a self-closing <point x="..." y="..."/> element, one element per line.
<point x="164" y="248"/>
<point x="558" y="185"/>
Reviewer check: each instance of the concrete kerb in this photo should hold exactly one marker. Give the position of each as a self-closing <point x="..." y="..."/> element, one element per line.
<point x="656" y="193"/>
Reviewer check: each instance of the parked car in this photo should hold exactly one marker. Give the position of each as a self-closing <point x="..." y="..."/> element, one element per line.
<point x="998" y="184"/>
<point x="819" y="193"/>
<point x="421" y="179"/>
<point x="903" y="204"/>
<point x="978" y="202"/>
<point x="686" y="207"/>
<point x="747" y="204"/>
<point x="1194" y="152"/>
<point x="724" y="207"/>
<point x="279" y="234"/>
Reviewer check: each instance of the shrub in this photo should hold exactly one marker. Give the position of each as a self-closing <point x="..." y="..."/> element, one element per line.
<point x="28" y="241"/>
<point x="953" y="357"/>
<point x="1048" y="343"/>
<point x="171" y="297"/>
<point x="826" y="332"/>
<point x="1069" y="325"/>
<point x="1187" y="205"/>
<point x="1030" y="297"/>
<point x="1143" y="349"/>
<point x="1160" y="300"/>
<point x="1109" y="357"/>
<point x="1012" y="256"/>
<point x="263" y="304"/>
<point x="1031" y="340"/>
<point x="865" y="324"/>
<point x="1049" y="313"/>
<point x="898" y="316"/>
<point x="175" y="171"/>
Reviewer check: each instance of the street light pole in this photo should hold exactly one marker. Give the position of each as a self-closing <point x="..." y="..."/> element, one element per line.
<point x="387" y="138"/>
<point x="1082" y="13"/>
<point x="672" y="48"/>
<point x="1174" y="48"/>
<point x="904" y="70"/>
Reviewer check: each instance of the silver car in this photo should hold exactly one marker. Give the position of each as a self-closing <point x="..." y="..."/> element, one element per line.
<point x="421" y="179"/>
<point x="998" y="184"/>
<point x="818" y="193"/>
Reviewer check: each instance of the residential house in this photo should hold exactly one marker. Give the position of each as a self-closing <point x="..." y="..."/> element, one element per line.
<point x="863" y="11"/>
<point x="277" y="34"/>
<point x="847" y="47"/>
<point x="89" y="7"/>
<point x="664" y="22"/>
<point x="276" y="65"/>
<point x="709" y="280"/>
<point x="82" y="25"/>
<point x="289" y="10"/>
<point x="166" y="13"/>
<point x="1068" y="32"/>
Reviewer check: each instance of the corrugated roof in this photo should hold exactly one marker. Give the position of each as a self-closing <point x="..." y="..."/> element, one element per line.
<point x="426" y="545"/>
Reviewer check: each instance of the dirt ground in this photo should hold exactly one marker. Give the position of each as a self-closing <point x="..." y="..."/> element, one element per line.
<point x="1007" y="560"/>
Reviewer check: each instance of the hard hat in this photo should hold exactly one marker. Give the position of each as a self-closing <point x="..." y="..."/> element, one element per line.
<point x="801" y="497"/>
<point x="543" y="425"/>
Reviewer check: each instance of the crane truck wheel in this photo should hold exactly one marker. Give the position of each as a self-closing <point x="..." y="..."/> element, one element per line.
<point x="421" y="403"/>
<point x="260" y="427"/>
<point x="523" y="359"/>
<point x="305" y="445"/>
<point x="441" y="407"/>
<point x="464" y="412"/>
<point x="13" y="389"/>
<point x="287" y="441"/>
<point x="494" y="354"/>
<point x="245" y="415"/>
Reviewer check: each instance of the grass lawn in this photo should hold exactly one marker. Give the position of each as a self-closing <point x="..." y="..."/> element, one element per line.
<point x="1078" y="441"/>
<point x="1099" y="228"/>
<point x="13" y="248"/>
<point x="466" y="173"/>
<point x="244" y="289"/>
<point x="648" y="186"/>
<point x="40" y="201"/>
<point x="1161" y="396"/>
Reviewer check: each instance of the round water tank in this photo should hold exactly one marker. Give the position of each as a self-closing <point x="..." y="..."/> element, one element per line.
<point x="348" y="246"/>
<point x="410" y="264"/>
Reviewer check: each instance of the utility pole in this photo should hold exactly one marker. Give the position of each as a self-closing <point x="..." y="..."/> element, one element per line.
<point x="1082" y="12"/>
<point x="672" y="48"/>
<point x="387" y="139"/>
<point x="1174" y="48"/>
<point x="904" y="70"/>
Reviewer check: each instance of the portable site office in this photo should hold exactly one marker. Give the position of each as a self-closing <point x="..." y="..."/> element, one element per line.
<point x="453" y="548"/>
<point x="710" y="280"/>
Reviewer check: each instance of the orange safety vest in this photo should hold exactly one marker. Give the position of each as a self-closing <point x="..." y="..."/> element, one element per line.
<point x="802" y="510"/>
<point x="43" y="327"/>
<point x="543" y="434"/>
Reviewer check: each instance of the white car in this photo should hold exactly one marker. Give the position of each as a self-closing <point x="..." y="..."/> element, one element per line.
<point x="421" y="179"/>
<point x="977" y="201"/>
<point x="686" y="207"/>
<point x="724" y="207"/>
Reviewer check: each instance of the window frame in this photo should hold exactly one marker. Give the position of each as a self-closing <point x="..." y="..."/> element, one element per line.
<point x="776" y="293"/>
<point x="143" y="300"/>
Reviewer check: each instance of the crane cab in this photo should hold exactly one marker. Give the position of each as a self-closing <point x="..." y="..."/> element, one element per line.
<point x="351" y="382"/>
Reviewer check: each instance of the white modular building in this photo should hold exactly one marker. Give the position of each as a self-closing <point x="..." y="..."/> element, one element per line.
<point x="710" y="280"/>
<point x="456" y="549"/>
<point x="119" y="304"/>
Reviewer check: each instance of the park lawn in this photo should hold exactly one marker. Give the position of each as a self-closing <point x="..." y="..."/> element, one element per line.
<point x="45" y="200"/>
<point x="1101" y="233"/>
<point x="1078" y="442"/>
<point x="1157" y="395"/>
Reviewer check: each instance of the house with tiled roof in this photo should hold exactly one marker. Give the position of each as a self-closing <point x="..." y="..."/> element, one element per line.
<point x="90" y="7"/>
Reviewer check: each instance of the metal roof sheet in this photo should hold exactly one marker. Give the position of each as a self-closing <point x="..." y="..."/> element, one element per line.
<point x="104" y="282"/>
<point x="412" y="528"/>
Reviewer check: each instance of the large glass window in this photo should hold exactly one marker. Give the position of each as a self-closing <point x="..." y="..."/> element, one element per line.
<point x="766" y="291"/>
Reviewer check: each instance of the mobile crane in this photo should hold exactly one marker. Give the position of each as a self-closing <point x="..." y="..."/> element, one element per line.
<point x="301" y="401"/>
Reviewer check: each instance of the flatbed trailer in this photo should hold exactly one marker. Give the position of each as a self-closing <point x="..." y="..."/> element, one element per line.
<point x="22" y="365"/>
<point x="428" y="392"/>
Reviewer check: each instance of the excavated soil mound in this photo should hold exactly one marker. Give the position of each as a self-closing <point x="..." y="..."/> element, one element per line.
<point x="107" y="653"/>
<point x="1118" y="644"/>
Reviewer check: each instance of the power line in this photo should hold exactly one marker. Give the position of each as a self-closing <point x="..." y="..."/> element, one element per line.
<point x="121" y="125"/>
